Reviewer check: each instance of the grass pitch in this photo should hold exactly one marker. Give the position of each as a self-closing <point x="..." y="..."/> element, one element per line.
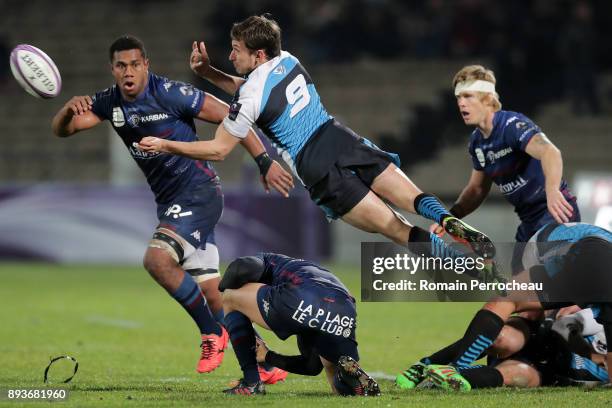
<point x="137" y="347"/>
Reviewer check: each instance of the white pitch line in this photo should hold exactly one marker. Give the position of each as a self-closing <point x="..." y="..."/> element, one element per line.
<point x="379" y="375"/>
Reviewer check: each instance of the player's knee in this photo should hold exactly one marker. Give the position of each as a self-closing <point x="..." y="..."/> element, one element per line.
<point x="242" y="271"/>
<point x="509" y="341"/>
<point x="167" y="242"/>
<point x="519" y="374"/>
<point x="228" y="297"/>
<point x="157" y="263"/>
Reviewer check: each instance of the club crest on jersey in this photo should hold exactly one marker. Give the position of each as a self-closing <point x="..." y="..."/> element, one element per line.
<point x="233" y="110"/>
<point x="118" y="118"/>
<point x="480" y="156"/>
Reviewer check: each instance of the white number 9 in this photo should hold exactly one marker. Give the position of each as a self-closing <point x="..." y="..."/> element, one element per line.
<point x="297" y="95"/>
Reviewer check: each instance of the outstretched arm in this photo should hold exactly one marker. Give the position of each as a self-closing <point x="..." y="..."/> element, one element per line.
<point x="75" y="115"/>
<point x="200" y="65"/>
<point x="539" y="147"/>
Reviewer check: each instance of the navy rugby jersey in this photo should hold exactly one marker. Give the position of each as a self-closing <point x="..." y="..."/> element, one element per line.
<point x="280" y="98"/>
<point x="502" y="157"/>
<point x="166" y="110"/>
<point x="280" y="269"/>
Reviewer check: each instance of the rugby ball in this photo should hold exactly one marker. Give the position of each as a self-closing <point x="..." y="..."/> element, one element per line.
<point x="35" y="71"/>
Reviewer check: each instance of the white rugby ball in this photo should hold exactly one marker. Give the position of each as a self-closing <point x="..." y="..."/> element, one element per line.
<point x="35" y="71"/>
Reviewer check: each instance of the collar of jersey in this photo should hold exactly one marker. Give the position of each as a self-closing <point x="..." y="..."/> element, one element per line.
<point x="273" y="61"/>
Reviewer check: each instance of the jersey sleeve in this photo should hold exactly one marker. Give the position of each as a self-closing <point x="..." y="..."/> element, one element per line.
<point x="242" y="114"/>
<point x="182" y="99"/>
<point x="520" y="132"/>
<point x="102" y="104"/>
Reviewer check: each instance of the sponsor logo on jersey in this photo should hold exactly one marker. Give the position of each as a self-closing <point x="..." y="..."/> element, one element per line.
<point x="512" y="119"/>
<point x="196" y="235"/>
<point x="279" y="70"/>
<point x="520" y="125"/>
<point x="480" y="156"/>
<point x="167" y="85"/>
<point x="118" y="118"/>
<point x="186" y="90"/>
<point x="492" y="156"/>
<point x="266" y="306"/>
<point x="139" y="154"/>
<point x="135" y="120"/>
<point x="175" y="211"/>
<point x="511" y="187"/>
<point x="233" y="110"/>
<point x="323" y="319"/>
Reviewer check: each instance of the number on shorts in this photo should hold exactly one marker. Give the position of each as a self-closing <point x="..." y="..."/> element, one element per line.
<point x="297" y="95"/>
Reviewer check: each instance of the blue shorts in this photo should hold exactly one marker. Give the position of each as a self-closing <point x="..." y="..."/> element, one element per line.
<point x="315" y="310"/>
<point x="194" y="213"/>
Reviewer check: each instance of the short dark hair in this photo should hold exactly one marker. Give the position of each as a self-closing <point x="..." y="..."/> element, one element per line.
<point x="259" y="33"/>
<point x="126" y="42"/>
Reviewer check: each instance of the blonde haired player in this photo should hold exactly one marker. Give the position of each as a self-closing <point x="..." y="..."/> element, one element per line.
<point x="507" y="148"/>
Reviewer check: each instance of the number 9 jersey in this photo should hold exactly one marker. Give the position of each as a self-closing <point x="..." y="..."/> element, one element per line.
<point x="280" y="98"/>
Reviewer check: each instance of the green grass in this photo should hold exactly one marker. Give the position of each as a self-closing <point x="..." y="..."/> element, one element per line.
<point x="136" y="347"/>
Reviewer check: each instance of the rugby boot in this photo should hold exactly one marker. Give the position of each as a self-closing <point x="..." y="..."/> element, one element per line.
<point x="462" y="232"/>
<point x="447" y="378"/>
<point x="410" y="378"/>
<point x="353" y="375"/>
<point x="213" y="351"/>
<point x="246" y="389"/>
<point x="271" y="376"/>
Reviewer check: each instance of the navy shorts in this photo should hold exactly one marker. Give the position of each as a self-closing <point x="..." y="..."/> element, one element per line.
<point x="314" y="310"/>
<point x="194" y="213"/>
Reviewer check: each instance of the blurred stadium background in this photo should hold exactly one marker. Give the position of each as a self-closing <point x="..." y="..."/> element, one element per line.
<point x="383" y="67"/>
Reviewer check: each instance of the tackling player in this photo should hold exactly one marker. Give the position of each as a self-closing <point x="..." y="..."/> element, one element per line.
<point x="182" y="255"/>
<point x="293" y="297"/>
<point x="508" y="149"/>
<point x="572" y="263"/>
<point x="346" y="175"/>
<point x="568" y="351"/>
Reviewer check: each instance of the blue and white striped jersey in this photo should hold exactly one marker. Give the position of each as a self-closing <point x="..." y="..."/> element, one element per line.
<point x="280" y="98"/>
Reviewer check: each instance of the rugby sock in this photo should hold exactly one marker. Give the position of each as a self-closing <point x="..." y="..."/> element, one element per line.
<point x="190" y="297"/>
<point x="482" y="376"/>
<point x="430" y="244"/>
<point x="220" y="317"/>
<point x="479" y="336"/>
<point x="446" y="355"/>
<point x="242" y="336"/>
<point x="429" y="206"/>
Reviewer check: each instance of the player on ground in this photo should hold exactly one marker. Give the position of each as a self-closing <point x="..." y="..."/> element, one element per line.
<point x="572" y="262"/>
<point x="182" y="255"/>
<point x="507" y="148"/>
<point x="568" y="351"/>
<point x="345" y="174"/>
<point x="293" y="297"/>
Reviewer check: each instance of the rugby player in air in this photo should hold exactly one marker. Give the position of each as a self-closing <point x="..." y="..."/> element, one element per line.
<point x="346" y="175"/>
<point x="508" y="149"/>
<point x="572" y="263"/>
<point x="293" y="297"/>
<point x="182" y="255"/>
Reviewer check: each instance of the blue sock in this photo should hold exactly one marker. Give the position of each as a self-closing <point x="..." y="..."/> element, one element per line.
<point x="430" y="207"/>
<point x="220" y="317"/>
<point x="192" y="300"/>
<point x="242" y="337"/>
